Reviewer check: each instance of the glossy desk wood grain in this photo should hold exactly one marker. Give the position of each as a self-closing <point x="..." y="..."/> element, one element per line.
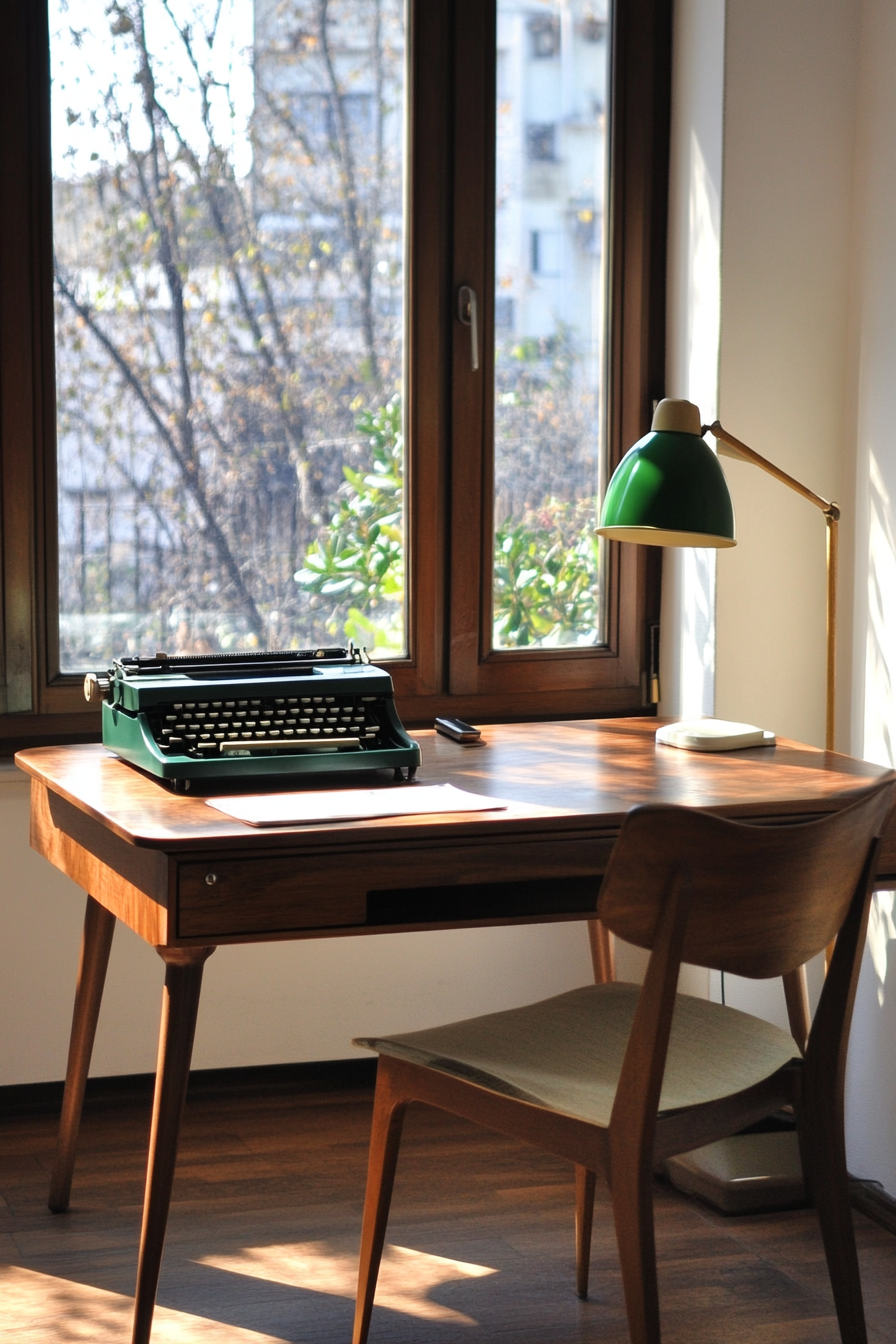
<point x="146" y="853"/>
<point x="188" y="879"/>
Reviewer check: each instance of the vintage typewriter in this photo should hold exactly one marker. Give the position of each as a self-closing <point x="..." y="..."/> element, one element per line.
<point x="190" y="718"/>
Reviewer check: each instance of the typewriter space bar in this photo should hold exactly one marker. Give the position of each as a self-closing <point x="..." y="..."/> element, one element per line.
<point x="289" y="744"/>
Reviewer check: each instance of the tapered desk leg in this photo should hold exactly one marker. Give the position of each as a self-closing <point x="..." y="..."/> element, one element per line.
<point x="96" y="943"/>
<point x="180" y="1006"/>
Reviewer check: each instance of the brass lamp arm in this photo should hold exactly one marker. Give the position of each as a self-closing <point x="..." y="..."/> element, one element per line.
<point x="734" y="448"/>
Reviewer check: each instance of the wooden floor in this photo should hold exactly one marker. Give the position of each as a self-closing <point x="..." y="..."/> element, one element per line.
<point x="264" y="1227"/>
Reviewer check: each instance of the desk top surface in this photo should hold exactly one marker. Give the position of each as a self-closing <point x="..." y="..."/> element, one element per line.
<point x="558" y="777"/>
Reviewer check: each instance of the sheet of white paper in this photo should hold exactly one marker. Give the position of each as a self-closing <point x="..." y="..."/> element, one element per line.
<point x="297" y="809"/>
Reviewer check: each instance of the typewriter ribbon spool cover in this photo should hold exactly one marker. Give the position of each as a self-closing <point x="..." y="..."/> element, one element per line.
<point x="252" y="715"/>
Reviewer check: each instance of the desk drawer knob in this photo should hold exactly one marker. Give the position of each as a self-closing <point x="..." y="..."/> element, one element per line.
<point x="211" y="879"/>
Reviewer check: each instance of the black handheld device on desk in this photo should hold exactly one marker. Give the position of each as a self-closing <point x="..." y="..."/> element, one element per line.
<point x="252" y="715"/>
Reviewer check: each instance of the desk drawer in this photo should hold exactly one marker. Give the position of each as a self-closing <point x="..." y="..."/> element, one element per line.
<point x="271" y="895"/>
<point x="408" y="885"/>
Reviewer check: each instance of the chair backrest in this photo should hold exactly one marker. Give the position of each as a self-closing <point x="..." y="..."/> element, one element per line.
<point x="761" y="899"/>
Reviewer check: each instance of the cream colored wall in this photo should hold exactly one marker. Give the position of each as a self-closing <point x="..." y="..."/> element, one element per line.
<point x="871" y="1078"/>
<point x="806" y="376"/>
<point x="790" y="95"/>
<point x="687" y="663"/>
<point x="791" y="70"/>
<point x="261" y="1004"/>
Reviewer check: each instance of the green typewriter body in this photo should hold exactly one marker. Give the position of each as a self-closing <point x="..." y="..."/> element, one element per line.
<point x="187" y="719"/>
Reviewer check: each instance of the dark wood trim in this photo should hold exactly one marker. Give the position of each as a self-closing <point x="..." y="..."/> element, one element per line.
<point x="870" y="1198"/>
<point x="475" y="22"/>
<point x="428" y="364"/>
<point x="20" y="118"/>
<point x="322" y="1076"/>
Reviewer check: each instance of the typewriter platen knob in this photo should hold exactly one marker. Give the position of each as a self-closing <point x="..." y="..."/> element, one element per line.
<point x="96" y="688"/>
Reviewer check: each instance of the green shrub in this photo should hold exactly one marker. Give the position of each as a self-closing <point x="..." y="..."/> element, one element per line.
<point x="546" y="576"/>
<point x="357" y="563"/>
<point x="546" y="563"/>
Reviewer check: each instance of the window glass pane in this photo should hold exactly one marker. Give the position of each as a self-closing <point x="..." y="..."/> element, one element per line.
<point x="229" y="258"/>
<point x="549" y="321"/>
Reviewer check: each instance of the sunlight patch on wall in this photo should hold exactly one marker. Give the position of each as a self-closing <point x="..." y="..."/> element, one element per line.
<point x="704" y="309"/>
<point x="406" y="1279"/>
<point x="698" y="637"/>
<point x="880" y="651"/>
<point x="41" y="1306"/>
<point x="881" y="932"/>
<point x="704" y="283"/>
<point x="689" y="575"/>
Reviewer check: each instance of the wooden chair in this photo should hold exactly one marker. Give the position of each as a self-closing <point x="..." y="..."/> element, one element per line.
<point x="616" y="1078"/>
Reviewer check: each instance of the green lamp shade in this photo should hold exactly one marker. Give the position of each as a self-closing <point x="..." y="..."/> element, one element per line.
<point x="669" y="490"/>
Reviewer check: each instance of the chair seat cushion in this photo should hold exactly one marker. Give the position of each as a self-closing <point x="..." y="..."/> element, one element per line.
<point x="565" y="1053"/>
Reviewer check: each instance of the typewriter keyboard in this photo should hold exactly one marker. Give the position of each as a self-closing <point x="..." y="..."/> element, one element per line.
<point x="306" y="723"/>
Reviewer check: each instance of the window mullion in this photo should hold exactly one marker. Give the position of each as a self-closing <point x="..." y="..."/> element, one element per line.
<point x="471" y="400"/>
<point x="428" y="351"/>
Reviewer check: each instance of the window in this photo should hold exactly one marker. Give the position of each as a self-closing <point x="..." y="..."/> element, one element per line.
<point x="546" y="252"/>
<point x="544" y="35"/>
<point x="503" y="312"/>
<point x="593" y="29"/>
<point x="91" y="558"/>
<point x="228" y="270"/>
<point x="313" y="119"/>
<point x="541" y="138"/>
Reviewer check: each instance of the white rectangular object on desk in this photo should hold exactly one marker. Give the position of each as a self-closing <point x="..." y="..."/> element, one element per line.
<point x="323" y="805"/>
<point x="713" y="735"/>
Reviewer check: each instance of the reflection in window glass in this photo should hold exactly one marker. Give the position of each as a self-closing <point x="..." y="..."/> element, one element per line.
<point x="229" y="251"/>
<point x="549" y="321"/>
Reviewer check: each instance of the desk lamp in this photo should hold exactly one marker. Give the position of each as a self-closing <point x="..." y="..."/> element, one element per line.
<point x="669" y="490"/>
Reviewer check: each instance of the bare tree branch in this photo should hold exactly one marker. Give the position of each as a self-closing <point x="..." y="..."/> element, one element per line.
<point x="352" y="212"/>
<point x="188" y="468"/>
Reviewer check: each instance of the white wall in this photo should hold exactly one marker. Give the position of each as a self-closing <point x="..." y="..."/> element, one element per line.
<point x="687" y="663"/>
<point x="790" y="90"/>
<point x="789" y="129"/>
<point x="261" y="1004"/>
<point x="871" y="1081"/>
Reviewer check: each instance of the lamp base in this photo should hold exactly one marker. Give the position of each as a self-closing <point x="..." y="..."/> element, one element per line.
<point x="713" y="735"/>
<point x="747" y="1173"/>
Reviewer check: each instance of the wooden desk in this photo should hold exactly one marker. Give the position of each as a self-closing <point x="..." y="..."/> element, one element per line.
<point x="187" y="879"/>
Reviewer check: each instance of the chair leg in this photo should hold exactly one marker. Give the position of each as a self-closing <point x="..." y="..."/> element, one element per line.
<point x="631" y="1188"/>
<point x="385" y="1138"/>
<point x="796" y="996"/>
<point x="823" y="1152"/>
<point x="585" y="1184"/>
<point x="603" y="952"/>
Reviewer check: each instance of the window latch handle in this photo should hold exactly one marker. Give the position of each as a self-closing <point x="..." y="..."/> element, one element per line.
<point x="467" y="315"/>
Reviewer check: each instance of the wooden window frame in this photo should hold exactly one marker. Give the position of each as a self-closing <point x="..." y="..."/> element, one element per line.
<point x="451" y="668"/>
